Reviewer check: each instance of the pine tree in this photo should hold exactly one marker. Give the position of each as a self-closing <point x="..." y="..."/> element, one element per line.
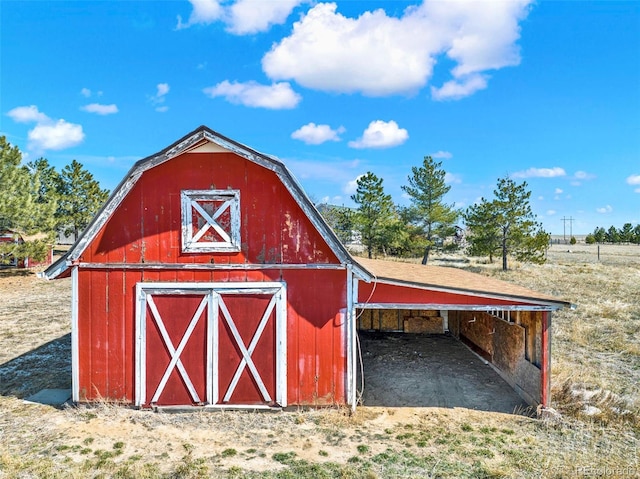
<point x="599" y="234"/>
<point x="426" y="189"/>
<point x="80" y="198"/>
<point x="510" y="218"/>
<point x="636" y="234"/>
<point x="340" y="219"/>
<point x="484" y="233"/>
<point x="376" y="213"/>
<point x="612" y="235"/>
<point x="626" y="233"/>
<point x="49" y="181"/>
<point x="23" y="212"/>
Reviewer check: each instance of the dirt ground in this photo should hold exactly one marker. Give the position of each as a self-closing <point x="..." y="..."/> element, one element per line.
<point x="413" y="370"/>
<point x="595" y="348"/>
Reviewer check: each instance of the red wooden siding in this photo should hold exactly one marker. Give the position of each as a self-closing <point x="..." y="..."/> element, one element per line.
<point x="147" y="225"/>
<point x="316" y="331"/>
<point x="394" y="294"/>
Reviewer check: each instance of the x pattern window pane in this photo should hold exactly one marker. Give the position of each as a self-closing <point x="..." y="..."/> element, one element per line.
<point x="210" y="220"/>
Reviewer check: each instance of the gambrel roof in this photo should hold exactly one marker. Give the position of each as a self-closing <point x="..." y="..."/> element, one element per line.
<point x="203" y="139"/>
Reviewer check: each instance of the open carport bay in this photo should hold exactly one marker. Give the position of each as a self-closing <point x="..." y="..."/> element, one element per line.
<point x="433" y="370"/>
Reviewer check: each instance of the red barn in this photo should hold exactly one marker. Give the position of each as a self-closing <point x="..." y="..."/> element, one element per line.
<point x="210" y="279"/>
<point x="10" y="236"/>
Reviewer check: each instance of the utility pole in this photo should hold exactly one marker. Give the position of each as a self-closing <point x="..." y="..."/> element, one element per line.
<point x="564" y="225"/>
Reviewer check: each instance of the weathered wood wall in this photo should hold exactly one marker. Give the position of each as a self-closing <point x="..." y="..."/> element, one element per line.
<point x="512" y="347"/>
<point x="405" y="320"/>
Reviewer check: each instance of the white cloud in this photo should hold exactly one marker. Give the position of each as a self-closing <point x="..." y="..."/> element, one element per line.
<point x="378" y="55"/>
<point x="85" y="92"/>
<point x="331" y="200"/>
<point x="452" y="178"/>
<point x="605" y="209"/>
<point x="242" y="16"/>
<point x="551" y="212"/>
<point x="313" y="134"/>
<point x="540" y="173"/>
<point x="160" y="97"/>
<point x="27" y="114"/>
<point x="204" y="12"/>
<point x="254" y="16"/>
<point x="580" y="176"/>
<point x="559" y="191"/>
<point x="637" y="190"/>
<point x="100" y="109"/>
<point x="441" y="154"/>
<point x="48" y="134"/>
<point x="633" y="180"/>
<point x="276" y="96"/>
<point x="381" y="134"/>
<point x="459" y="88"/>
<point x="163" y="89"/>
<point x="55" y="136"/>
<point x="351" y="187"/>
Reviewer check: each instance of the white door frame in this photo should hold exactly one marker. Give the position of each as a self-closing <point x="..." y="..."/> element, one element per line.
<point x="213" y="303"/>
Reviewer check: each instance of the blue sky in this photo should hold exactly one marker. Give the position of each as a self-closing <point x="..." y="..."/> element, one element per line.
<point x="547" y="92"/>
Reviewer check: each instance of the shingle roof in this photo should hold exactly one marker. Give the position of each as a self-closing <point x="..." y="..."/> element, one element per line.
<point x="452" y="279"/>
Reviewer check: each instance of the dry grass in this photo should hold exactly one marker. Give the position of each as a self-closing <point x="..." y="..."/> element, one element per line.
<point x="596" y="347"/>
<point x="596" y="365"/>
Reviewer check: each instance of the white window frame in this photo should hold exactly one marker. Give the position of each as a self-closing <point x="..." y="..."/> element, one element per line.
<point x="190" y="238"/>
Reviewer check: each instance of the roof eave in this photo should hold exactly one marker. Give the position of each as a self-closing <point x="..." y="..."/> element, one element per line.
<point x="554" y="304"/>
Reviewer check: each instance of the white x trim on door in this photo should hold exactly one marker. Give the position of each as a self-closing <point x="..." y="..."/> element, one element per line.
<point x="212" y="303"/>
<point x="175" y="353"/>
<point x="246" y="353"/>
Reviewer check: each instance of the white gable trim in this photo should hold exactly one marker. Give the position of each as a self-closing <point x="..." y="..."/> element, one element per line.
<point x="204" y="139"/>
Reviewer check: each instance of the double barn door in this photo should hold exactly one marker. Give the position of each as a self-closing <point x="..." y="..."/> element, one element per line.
<point x="211" y="344"/>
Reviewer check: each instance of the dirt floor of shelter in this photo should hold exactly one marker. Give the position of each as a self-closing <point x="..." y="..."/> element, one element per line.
<point x="413" y="370"/>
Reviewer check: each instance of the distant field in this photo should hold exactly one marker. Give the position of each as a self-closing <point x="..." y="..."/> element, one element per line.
<point x="583" y="253"/>
<point x="595" y="382"/>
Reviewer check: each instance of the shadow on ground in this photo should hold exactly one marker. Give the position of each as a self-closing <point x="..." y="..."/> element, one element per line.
<point x="8" y="271"/>
<point x="413" y="370"/>
<point x="46" y="367"/>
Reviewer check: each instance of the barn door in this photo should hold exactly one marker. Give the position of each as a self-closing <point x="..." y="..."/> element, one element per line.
<point x="214" y="344"/>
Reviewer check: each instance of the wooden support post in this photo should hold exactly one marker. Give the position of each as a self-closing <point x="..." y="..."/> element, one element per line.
<point x="75" y="348"/>
<point x="545" y="361"/>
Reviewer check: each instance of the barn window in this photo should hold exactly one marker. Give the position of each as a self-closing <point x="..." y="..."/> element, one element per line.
<point x="210" y="220"/>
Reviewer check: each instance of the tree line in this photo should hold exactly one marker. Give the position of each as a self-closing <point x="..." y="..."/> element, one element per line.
<point x="37" y="202"/>
<point x="503" y="226"/>
<point x="613" y="235"/>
